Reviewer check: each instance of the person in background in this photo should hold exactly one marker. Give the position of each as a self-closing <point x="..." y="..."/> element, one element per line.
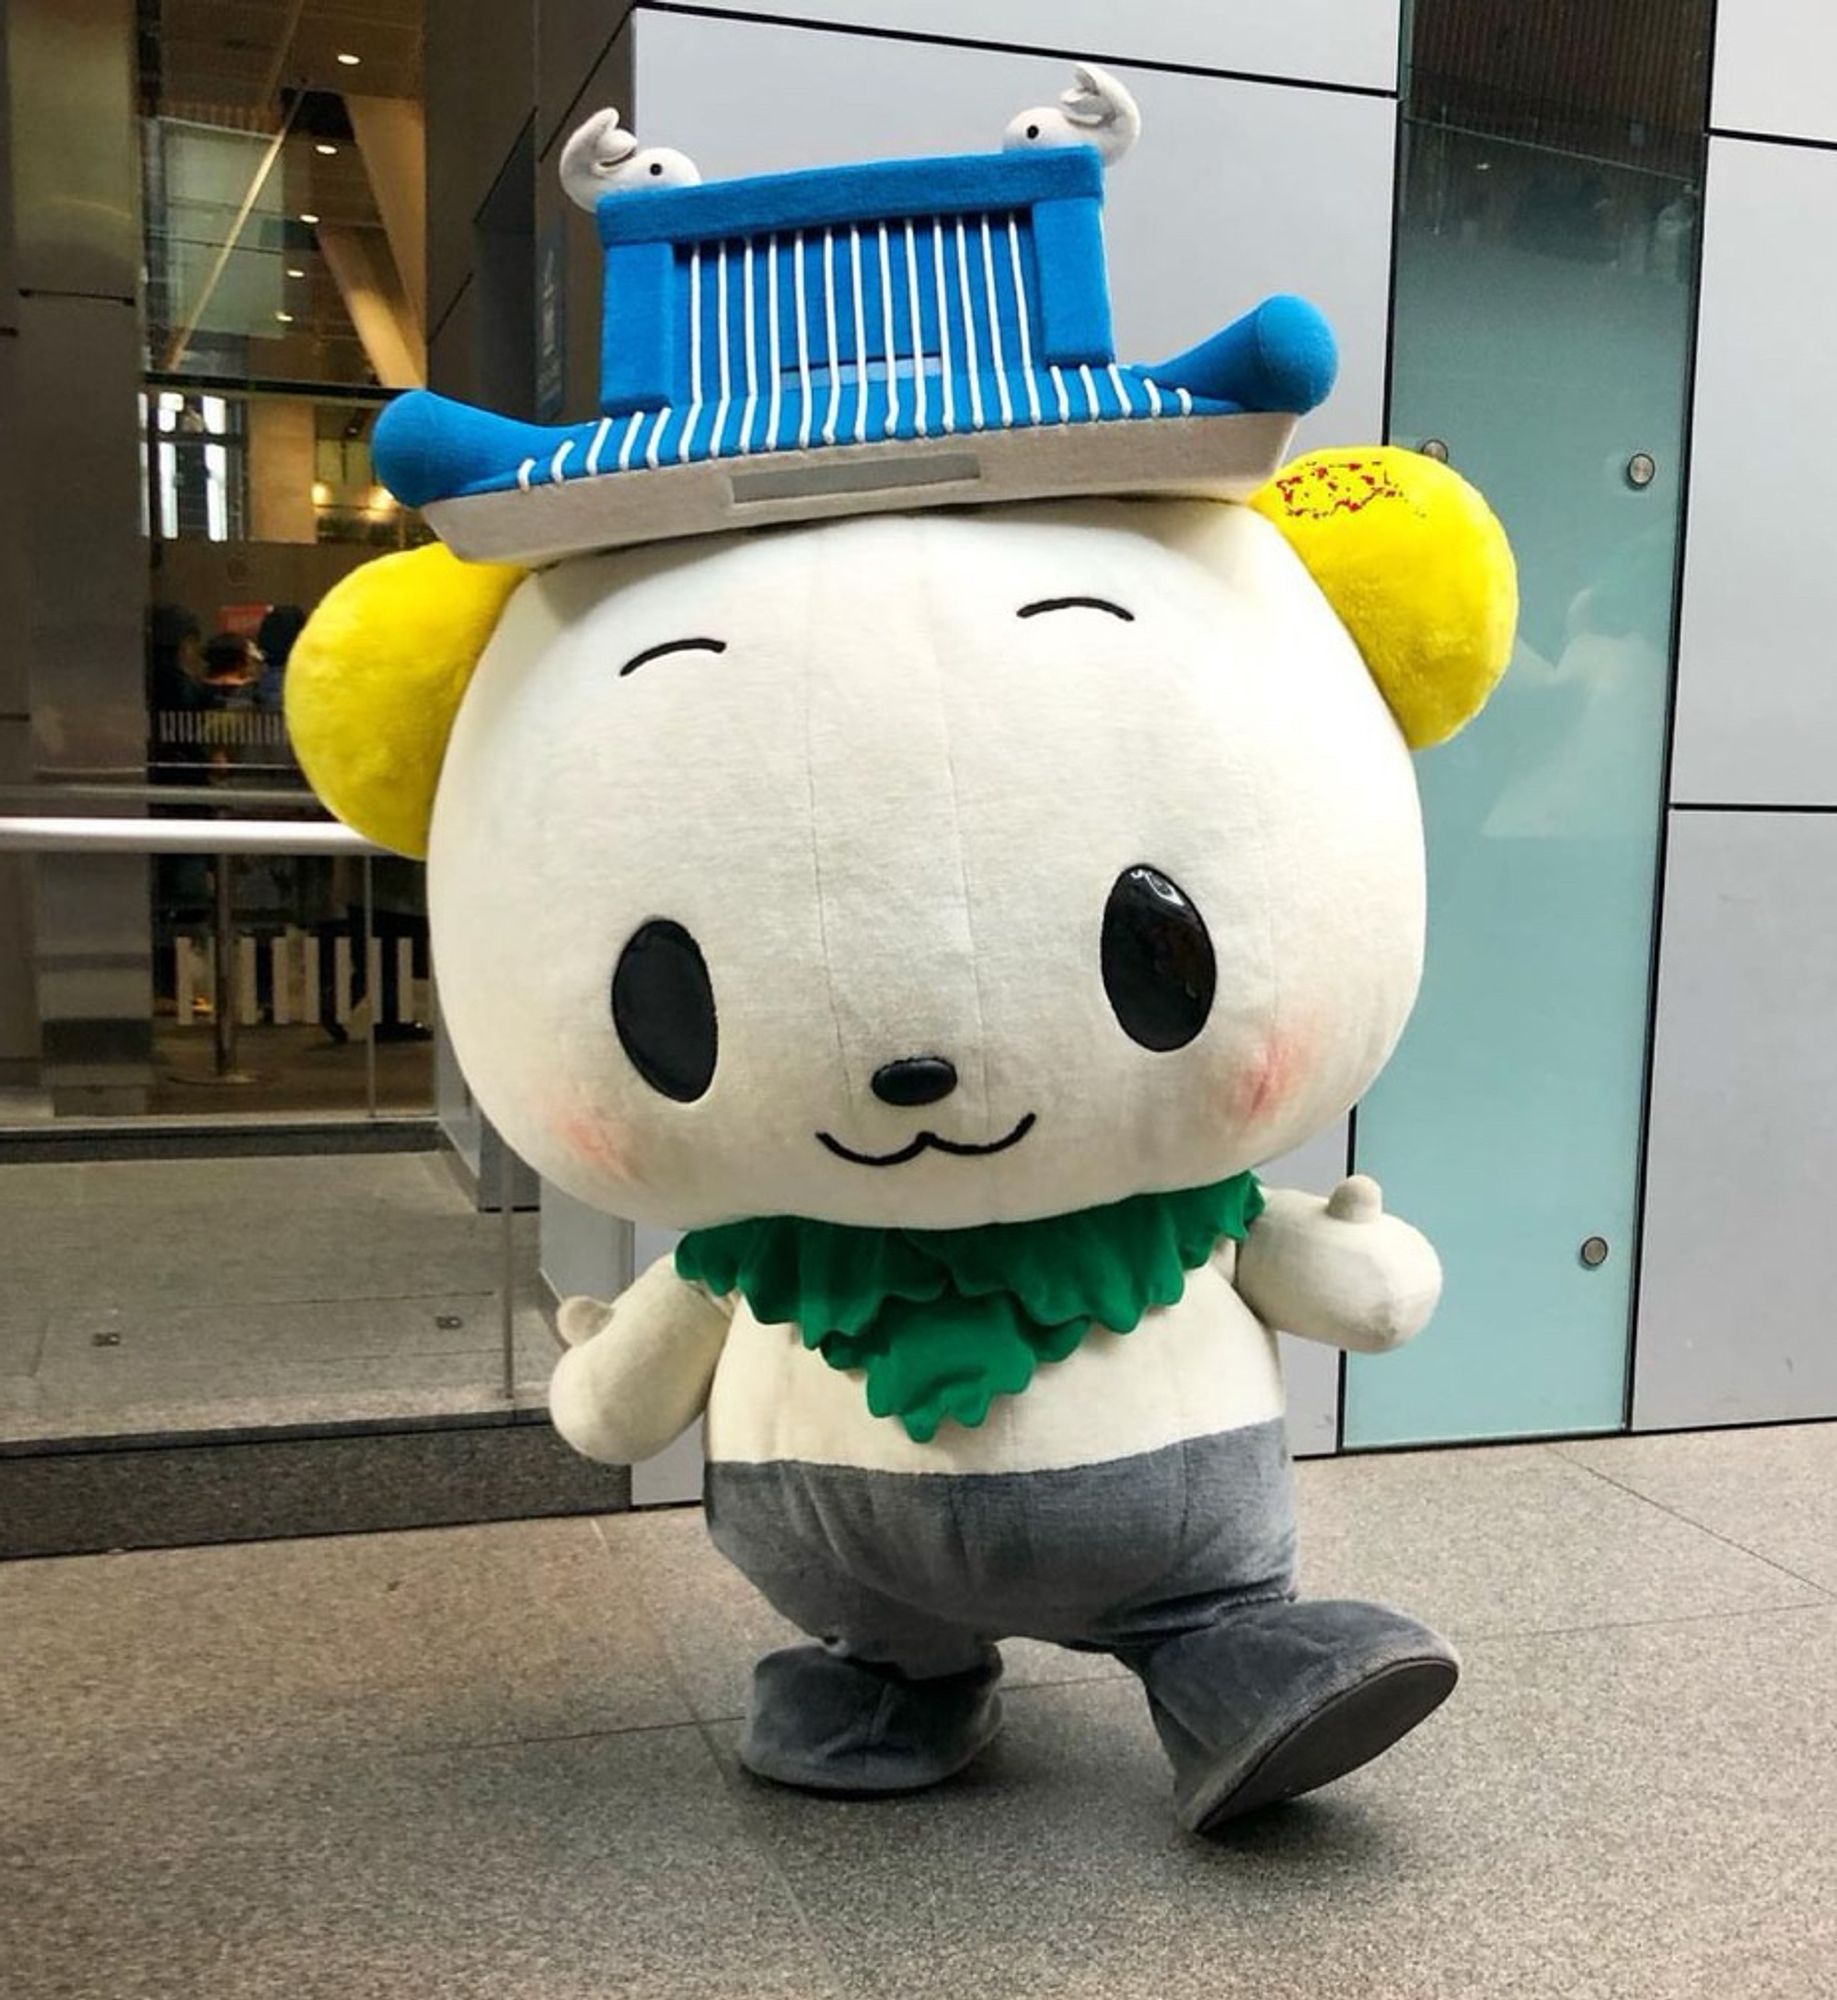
<point x="229" y="670"/>
<point x="175" y="674"/>
<point x="175" y="750"/>
<point x="274" y="641"/>
<point x="228" y="692"/>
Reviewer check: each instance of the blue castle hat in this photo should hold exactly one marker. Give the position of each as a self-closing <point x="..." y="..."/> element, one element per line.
<point x="845" y="340"/>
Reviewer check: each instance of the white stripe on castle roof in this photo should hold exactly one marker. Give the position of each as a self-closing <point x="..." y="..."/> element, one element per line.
<point x="829" y="317"/>
<point x="1024" y="316"/>
<point x="854" y="258"/>
<point x="750" y="323"/>
<point x="771" y="310"/>
<point x="695" y="352"/>
<point x="1000" y="362"/>
<point x="970" y="368"/>
<point x="593" y="450"/>
<point x="937" y="258"/>
<point x="918" y="334"/>
<point x="720" y="314"/>
<point x="886" y="335"/>
<point x="803" y="340"/>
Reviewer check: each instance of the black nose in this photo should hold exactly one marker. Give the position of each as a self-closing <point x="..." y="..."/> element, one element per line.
<point x="914" y="1080"/>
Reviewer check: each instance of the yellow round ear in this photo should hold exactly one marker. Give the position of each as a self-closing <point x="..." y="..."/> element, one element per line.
<point x="375" y="680"/>
<point x="1417" y="567"/>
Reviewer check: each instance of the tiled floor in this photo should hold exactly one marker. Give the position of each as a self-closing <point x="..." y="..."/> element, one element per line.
<point x="297" y="1068"/>
<point x="172" y="1297"/>
<point x="499" y="1762"/>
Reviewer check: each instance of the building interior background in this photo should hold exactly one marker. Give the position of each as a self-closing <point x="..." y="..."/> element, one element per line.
<point x="247" y="1198"/>
<point x="274" y="1294"/>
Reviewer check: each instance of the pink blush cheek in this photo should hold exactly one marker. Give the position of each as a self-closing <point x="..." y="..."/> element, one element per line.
<point x="595" y="1144"/>
<point x="1261" y="1092"/>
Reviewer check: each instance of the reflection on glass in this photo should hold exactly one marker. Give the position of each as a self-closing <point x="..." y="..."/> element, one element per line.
<point x="266" y="467"/>
<point x="257" y="505"/>
<point x="197" y="1296"/>
<point x="309" y="986"/>
<point x="1546" y="260"/>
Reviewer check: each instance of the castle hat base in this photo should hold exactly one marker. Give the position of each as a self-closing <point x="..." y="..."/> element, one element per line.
<point x="1199" y="457"/>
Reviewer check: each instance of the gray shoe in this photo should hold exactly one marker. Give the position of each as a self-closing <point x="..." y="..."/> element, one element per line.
<point x="1278" y="1699"/>
<point x="825" y="1722"/>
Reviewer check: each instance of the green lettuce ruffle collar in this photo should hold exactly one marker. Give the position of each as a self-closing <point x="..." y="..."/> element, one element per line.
<point x="942" y="1321"/>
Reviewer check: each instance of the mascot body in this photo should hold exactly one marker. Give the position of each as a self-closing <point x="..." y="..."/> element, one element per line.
<point x="940" y="914"/>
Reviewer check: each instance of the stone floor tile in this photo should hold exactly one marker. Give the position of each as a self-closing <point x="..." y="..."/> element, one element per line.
<point x="1616" y="1814"/>
<point x="274" y="1184"/>
<point x="189" y="1295"/>
<point x="287" y="1329"/>
<point x="1514" y="1539"/>
<point x="716" y="1624"/>
<point x="139" y="1235"/>
<point x="399" y="1395"/>
<point x="151" y="1366"/>
<point x="103" y="1396"/>
<point x="604" y="1868"/>
<point x="444" y="1637"/>
<point x="1771" y="1491"/>
<point x="22" y="1339"/>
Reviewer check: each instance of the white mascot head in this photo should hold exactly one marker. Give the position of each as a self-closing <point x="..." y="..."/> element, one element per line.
<point x="927" y="868"/>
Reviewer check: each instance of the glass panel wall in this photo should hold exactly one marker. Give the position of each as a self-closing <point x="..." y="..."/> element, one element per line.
<point x="1546" y="259"/>
<point x="282" y="303"/>
<point x="329" y="979"/>
<point x="226" y="1201"/>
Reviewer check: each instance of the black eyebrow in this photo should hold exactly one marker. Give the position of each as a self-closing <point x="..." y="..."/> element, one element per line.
<point x="1076" y="604"/>
<point x="638" y="660"/>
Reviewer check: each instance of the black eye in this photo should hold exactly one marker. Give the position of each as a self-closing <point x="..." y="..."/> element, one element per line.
<point x="1033" y="131"/>
<point x="656" y="166"/>
<point x="663" y="1008"/>
<point x="1158" y="966"/>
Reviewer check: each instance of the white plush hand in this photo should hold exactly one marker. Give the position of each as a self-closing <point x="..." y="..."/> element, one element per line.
<point x="1339" y="1270"/>
<point x="636" y="1373"/>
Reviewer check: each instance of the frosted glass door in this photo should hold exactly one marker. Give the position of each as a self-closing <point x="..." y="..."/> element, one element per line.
<point x="1546" y="261"/>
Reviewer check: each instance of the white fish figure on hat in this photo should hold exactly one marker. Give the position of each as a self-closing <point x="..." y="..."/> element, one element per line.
<point x="1097" y="111"/>
<point x="604" y="158"/>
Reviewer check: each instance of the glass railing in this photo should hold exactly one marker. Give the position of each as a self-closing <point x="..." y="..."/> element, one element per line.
<point x="246" y="1256"/>
<point x="280" y="966"/>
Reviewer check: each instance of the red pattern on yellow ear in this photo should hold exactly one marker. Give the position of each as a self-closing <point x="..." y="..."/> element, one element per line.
<point x="1419" y="570"/>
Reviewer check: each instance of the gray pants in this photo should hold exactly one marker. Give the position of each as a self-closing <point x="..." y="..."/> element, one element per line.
<point x="1180" y="1562"/>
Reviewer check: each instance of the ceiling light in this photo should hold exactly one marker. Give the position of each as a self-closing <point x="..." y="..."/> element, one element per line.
<point x="325" y="148"/>
<point x="304" y="217"/>
<point x="350" y="61"/>
<point x="294" y="271"/>
<point x="286" y="319"/>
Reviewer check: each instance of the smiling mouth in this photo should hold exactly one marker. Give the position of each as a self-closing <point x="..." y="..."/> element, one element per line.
<point x="928" y="1142"/>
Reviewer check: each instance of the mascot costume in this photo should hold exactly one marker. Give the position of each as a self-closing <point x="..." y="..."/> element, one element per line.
<point x="926" y="808"/>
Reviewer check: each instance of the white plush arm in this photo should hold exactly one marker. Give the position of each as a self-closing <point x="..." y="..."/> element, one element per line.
<point x="1339" y="1270"/>
<point x="639" y="1374"/>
